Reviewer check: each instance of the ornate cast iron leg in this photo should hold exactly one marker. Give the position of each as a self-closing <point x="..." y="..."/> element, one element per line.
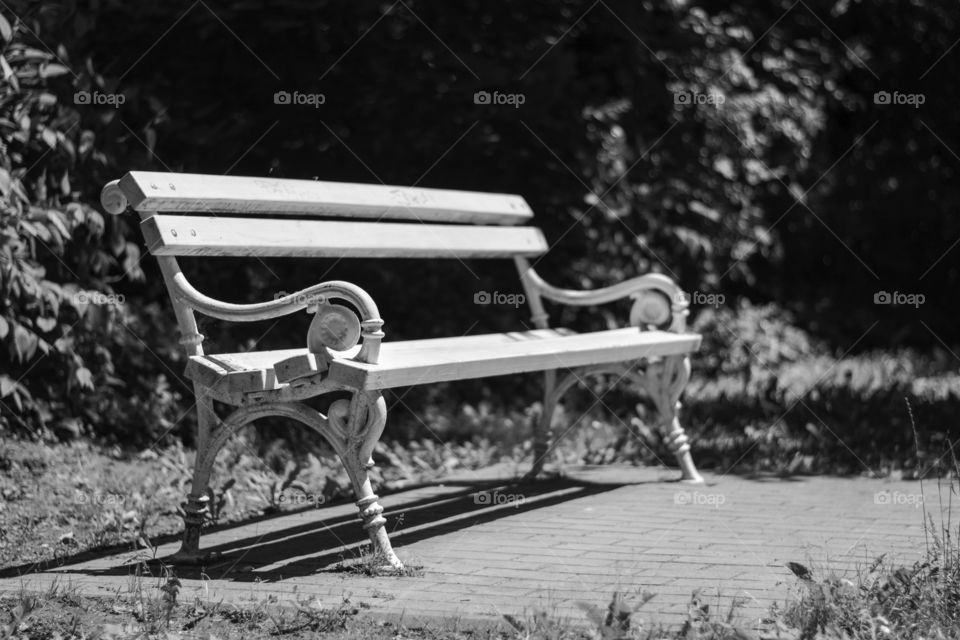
<point x="362" y="421"/>
<point x="665" y="381"/>
<point x="196" y="508"/>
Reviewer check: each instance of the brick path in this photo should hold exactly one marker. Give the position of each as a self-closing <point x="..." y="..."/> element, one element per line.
<point x="554" y="544"/>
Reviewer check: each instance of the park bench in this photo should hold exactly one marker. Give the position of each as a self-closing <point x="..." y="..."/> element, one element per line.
<point x="345" y="351"/>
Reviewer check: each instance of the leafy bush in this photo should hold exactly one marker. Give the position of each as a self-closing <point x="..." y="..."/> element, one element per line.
<point x="78" y="363"/>
<point x="749" y="340"/>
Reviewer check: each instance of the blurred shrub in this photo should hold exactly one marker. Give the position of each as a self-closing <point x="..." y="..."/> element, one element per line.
<point x="749" y="339"/>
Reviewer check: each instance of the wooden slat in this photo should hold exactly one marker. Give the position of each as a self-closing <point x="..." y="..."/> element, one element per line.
<point x="205" y="194"/>
<point x="305" y="364"/>
<point x="208" y="236"/>
<point x="423" y="366"/>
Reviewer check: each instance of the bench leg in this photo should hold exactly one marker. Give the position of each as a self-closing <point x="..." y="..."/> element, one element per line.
<point x="542" y="431"/>
<point x="362" y="421"/>
<point x="196" y="509"/>
<point x="665" y="381"/>
<point x="195" y="514"/>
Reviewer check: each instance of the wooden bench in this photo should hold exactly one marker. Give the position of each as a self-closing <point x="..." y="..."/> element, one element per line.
<point x="210" y="216"/>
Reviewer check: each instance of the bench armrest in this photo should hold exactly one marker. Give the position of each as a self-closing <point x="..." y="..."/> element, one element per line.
<point x="311" y="297"/>
<point x="658" y="301"/>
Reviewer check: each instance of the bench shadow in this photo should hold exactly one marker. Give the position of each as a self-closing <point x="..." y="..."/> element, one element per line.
<point x="332" y="545"/>
<point x="63" y="562"/>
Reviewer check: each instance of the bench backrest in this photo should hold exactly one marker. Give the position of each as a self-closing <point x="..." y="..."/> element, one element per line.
<point x="286" y="218"/>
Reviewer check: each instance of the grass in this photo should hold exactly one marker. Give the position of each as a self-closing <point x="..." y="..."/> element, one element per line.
<point x="58" y="610"/>
<point x="883" y="600"/>
<point x="917" y="601"/>
<point x="372" y="563"/>
<point x="60" y="613"/>
<point x="60" y="500"/>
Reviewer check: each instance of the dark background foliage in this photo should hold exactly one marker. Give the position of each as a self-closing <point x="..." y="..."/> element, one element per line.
<point x="798" y="189"/>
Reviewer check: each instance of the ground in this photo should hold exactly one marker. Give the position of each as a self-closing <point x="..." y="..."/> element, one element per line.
<point x="484" y="551"/>
<point x="804" y="523"/>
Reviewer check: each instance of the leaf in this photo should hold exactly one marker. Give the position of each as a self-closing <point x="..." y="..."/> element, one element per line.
<point x="800" y="571"/>
<point x="724" y="166"/>
<point x="58" y="221"/>
<point x="25" y="342"/>
<point x="45" y="324"/>
<point x="50" y="137"/>
<point x="35" y="55"/>
<point x="6" y="31"/>
<point x="7" y="386"/>
<point x="21" y="193"/>
<point x="84" y="378"/>
<point x="131" y="262"/>
<point x="37" y="230"/>
<point x="707" y="212"/>
<point x="8" y="74"/>
<point x="4" y="327"/>
<point x="80" y="303"/>
<point x="515" y="623"/>
<point x="52" y="70"/>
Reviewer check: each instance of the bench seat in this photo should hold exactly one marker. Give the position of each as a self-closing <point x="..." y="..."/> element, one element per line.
<point x="412" y="362"/>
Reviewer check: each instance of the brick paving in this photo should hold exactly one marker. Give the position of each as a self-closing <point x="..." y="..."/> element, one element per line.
<point x="552" y="545"/>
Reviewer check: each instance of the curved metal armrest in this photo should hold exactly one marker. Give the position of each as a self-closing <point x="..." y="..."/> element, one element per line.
<point x="648" y="308"/>
<point x="313" y="296"/>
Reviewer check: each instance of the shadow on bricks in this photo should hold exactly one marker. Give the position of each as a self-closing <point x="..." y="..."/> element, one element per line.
<point x="323" y="545"/>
